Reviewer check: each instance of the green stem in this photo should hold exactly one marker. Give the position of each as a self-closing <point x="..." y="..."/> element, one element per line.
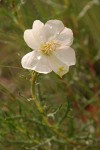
<point x="40" y="109"/>
<point x="37" y="103"/>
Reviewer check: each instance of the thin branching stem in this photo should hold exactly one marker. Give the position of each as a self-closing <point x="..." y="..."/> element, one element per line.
<point x="40" y="109"/>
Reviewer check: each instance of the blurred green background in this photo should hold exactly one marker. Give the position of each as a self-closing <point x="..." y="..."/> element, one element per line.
<point x="73" y="102"/>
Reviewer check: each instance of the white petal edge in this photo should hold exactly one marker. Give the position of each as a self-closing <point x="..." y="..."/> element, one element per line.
<point x="37" y="62"/>
<point x="30" y="59"/>
<point x="54" y="27"/>
<point x="37" y="25"/>
<point x="30" y="39"/>
<point x="66" y="55"/>
<point x="65" y="37"/>
<point x="58" y="66"/>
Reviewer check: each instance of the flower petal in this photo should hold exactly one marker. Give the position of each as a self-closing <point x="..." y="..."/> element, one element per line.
<point x="42" y="36"/>
<point x="58" y="66"/>
<point x="54" y="27"/>
<point x="65" y="37"/>
<point x="30" y="59"/>
<point x="43" y="65"/>
<point x="66" y="55"/>
<point x="39" y="31"/>
<point x="37" y="25"/>
<point x="30" y="39"/>
<point x="35" y="61"/>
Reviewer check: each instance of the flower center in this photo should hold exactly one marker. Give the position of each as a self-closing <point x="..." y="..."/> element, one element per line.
<point x="48" y="47"/>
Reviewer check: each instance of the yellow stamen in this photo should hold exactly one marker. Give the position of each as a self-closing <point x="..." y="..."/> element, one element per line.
<point x="48" y="47"/>
<point x="60" y="70"/>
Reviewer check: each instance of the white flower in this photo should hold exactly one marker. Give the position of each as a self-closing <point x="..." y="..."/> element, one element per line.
<point x="51" y="48"/>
